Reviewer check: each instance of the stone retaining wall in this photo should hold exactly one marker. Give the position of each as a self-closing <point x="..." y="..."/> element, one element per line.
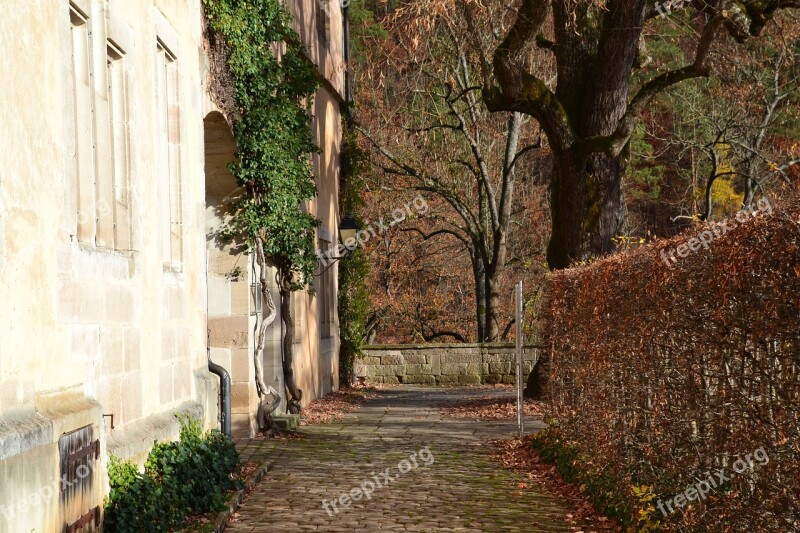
<point x="442" y="364"/>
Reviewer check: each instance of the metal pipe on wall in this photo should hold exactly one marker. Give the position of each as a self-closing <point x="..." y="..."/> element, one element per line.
<point x="224" y="392"/>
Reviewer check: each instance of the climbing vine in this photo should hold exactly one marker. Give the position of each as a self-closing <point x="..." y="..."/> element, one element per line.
<point x="273" y="83"/>
<point x="354" y="266"/>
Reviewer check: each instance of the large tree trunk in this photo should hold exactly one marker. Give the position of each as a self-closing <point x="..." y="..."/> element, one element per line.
<point x="594" y="88"/>
<point x="587" y="207"/>
<point x="595" y="50"/>
<point x="295" y="394"/>
<point x="606" y="212"/>
<point x="492" y="307"/>
<point x="479" y="273"/>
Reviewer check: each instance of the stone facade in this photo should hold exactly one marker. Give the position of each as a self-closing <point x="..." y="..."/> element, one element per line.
<point x="113" y="162"/>
<point x="232" y="305"/>
<point x="443" y="364"/>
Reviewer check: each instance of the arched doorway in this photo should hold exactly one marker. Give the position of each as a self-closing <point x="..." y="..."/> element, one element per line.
<point x="231" y="309"/>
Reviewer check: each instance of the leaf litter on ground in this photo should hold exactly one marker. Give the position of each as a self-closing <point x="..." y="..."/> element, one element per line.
<point x="336" y="404"/>
<point x="490" y="407"/>
<point x="520" y="457"/>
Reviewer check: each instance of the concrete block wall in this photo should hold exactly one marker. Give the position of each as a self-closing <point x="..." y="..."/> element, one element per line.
<point x="443" y="364"/>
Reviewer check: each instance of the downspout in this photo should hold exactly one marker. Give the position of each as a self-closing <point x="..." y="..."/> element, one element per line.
<point x="224" y="392"/>
<point x="224" y="376"/>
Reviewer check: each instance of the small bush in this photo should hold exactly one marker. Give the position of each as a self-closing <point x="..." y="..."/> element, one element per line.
<point x="135" y="502"/>
<point x="195" y="470"/>
<point x="184" y="477"/>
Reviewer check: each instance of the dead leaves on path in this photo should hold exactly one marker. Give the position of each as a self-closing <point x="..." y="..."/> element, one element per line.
<point x="335" y="405"/>
<point x="518" y="456"/>
<point x="490" y="408"/>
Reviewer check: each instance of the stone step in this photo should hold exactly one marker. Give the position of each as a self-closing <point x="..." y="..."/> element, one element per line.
<point x="286" y="422"/>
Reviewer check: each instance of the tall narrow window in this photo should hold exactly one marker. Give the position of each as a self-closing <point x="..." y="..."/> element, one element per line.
<point x="82" y="201"/>
<point x="326" y="293"/>
<point x="324" y="19"/>
<point x="299" y="315"/>
<point x="119" y="202"/>
<point x="169" y="157"/>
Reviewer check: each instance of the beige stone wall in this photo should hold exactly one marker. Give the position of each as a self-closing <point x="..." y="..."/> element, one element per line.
<point x="443" y="364"/>
<point x="103" y="306"/>
<point x="93" y="318"/>
<point x="115" y="322"/>
<point x="317" y="356"/>
<point x="231" y="304"/>
<point x="325" y="46"/>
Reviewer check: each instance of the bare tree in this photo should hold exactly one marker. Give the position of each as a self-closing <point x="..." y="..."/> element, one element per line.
<point x="431" y="133"/>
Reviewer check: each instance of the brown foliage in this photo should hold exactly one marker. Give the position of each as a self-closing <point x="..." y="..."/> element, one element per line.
<point x="446" y="275"/>
<point x="491" y="407"/>
<point x="661" y="373"/>
<point x="219" y="80"/>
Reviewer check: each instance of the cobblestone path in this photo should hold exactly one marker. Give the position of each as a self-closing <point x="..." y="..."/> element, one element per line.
<point x="455" y="485"/>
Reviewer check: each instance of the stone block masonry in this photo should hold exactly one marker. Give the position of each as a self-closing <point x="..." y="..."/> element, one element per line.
<point x="443" y="364"/>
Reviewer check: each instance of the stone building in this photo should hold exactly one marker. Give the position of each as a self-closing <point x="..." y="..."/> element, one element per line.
<point x="113" y="286"/>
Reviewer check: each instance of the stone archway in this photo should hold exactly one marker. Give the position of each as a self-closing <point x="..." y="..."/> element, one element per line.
<point x="231" y="316"/>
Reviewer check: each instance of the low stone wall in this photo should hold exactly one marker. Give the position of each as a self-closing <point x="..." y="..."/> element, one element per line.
<point x="442" y="364"/>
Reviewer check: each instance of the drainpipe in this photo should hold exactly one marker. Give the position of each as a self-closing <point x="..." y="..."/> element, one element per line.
<point x="224" y="392"/>
<point x="224" y="376"/>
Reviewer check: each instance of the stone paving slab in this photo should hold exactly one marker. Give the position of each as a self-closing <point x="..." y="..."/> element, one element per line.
<point x="320" y="482"/>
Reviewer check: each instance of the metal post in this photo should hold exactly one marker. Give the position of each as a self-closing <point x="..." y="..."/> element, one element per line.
<point x="520" y="344"/>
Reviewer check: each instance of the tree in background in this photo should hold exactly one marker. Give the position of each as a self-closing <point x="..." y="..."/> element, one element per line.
<point x="731" y="138"/>
<point x="634" y="101"/>
<point x="602" y="85"/>
<point x="419" y="290"/>
<point x="431" y="133"/>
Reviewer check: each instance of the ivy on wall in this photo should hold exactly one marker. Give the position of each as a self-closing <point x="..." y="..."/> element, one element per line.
<point x="353" y="301"/>
<point x="273" y="86"/>
<point x="273" y="83"/>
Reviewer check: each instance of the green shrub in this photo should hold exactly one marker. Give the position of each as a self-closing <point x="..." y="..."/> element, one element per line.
<point x="184" y="477"/>
<point x="195" y="470"/>
<point x="135" y="502"/>
<point x="353" y="312"/>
